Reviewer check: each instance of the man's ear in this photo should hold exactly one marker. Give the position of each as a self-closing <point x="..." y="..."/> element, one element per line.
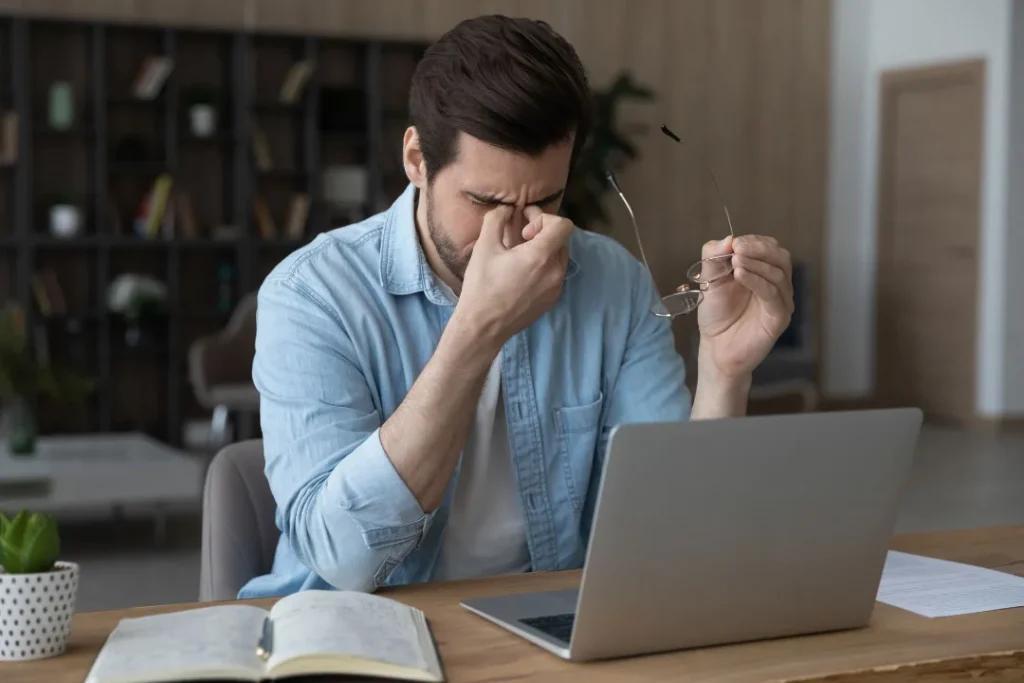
<point x="412" y="158"/>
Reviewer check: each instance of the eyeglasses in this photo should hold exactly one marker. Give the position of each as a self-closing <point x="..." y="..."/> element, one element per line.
<point x="686" y="298"/>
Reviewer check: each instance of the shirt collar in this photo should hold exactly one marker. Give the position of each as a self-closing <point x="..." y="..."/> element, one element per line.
<point x="403" y="265"/>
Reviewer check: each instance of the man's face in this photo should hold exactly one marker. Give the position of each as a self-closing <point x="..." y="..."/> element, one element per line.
<point x="453" y="204"/>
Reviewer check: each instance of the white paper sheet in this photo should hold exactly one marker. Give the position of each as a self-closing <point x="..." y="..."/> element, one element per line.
<point x="939" y="588"/>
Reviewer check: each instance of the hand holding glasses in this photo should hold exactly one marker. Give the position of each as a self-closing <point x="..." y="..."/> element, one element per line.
<point x="686" y="298"/>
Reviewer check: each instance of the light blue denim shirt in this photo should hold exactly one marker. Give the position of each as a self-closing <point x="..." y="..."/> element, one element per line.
<point x="344" y="327"/>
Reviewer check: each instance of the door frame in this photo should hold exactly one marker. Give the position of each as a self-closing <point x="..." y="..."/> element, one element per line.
<point x="892" y="83"/>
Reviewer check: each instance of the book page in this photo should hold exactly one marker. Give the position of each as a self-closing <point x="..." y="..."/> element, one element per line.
<point x="208" y="642"/>
<point x="317" y="623"/>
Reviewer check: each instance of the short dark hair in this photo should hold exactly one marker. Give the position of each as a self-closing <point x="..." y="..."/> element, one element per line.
<point x="513" y="83"/>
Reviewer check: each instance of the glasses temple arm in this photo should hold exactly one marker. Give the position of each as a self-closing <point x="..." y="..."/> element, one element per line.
<point x="721" y="197"/>
<point x="636" y="229"/>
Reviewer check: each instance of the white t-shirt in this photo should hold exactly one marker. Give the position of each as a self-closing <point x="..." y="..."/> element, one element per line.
<point x="486" y="531"/>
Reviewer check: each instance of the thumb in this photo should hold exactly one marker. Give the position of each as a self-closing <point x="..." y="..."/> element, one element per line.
<point x="492" y="232"/>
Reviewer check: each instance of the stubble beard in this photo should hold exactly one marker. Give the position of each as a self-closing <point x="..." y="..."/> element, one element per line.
<point x="452" y="259"/>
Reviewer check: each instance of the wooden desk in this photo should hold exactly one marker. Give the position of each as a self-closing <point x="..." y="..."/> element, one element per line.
<point x="898" y="646"/>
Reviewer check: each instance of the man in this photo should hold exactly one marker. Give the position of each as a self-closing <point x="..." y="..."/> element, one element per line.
<point x="439" y="381"/>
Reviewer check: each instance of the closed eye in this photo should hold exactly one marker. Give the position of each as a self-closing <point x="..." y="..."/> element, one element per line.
<point x="480" y="200"/>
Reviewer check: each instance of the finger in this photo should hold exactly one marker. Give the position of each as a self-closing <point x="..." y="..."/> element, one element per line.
<point x="717" y="247"/>
<point x="764" y="249"/>
<point x="554" y="232"/>
<point x="514" y="236"/>
<point x="535" y="217"/>
<point x="492" y="232"/>
<point x="775" y="301"/>
<point x="774" y="274"/>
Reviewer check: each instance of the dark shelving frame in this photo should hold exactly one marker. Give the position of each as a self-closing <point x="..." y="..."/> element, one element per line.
<point x="25" y="243"/>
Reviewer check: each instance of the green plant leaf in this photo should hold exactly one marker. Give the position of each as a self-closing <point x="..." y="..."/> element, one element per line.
<point x="608" y="148"/>
<point x="29" y="543"/>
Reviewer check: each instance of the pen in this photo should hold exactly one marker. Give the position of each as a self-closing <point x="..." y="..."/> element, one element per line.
<point x="266" y="642"/>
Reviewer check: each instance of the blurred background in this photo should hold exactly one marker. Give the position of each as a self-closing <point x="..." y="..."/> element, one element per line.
<point x="159" y="157"/>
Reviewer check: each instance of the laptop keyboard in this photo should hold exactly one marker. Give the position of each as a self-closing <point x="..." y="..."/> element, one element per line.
<point x="558" y="626"/>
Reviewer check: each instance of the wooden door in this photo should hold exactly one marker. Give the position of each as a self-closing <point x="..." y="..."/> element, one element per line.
<point x="929" y="207"/>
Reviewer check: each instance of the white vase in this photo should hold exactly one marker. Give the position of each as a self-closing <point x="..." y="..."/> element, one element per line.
<point x="204" y="120"/>
<point x="65" y="220"/>
<point x="36" y="611"/>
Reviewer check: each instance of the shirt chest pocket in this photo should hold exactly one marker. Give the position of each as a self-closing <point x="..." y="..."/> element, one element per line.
<point x="578" y="427"/>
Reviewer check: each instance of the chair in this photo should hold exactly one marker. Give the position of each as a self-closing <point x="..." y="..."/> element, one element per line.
<point x="239" y="532"/>
<point x="220" y="370"/>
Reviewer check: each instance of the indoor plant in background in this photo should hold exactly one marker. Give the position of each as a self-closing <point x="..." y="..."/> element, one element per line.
<point x="140" y="299"/>
<point x="37" y="591"/>
<point x="608" y="149"/>
<point x="25" y="377"/>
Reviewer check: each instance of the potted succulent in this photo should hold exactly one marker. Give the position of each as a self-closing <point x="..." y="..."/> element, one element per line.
<point x="202" y="110"/>
<point x="24" y="378"/>
<point x="38" y="592"/>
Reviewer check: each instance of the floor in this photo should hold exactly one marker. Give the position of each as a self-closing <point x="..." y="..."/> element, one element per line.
<point x="959" y="480"/>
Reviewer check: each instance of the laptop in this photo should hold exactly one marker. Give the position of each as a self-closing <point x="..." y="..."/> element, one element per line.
<point x="725" y="531"/>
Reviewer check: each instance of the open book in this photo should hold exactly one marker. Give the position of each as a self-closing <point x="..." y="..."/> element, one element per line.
<point x="305" y="634"/>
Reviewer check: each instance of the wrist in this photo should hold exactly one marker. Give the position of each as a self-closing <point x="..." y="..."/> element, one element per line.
<point x="719" y="393"/>
<point x="469" y="340"/>
<point x="721" y="382"/>
<point x="728" y="379"/>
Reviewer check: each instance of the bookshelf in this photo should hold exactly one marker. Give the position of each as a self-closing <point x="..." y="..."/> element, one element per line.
<point x="112" y="122"/>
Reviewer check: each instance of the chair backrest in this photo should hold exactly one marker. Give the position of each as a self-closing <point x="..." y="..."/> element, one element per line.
<point x="225" y="357"/>
<point x="239" y="532"/>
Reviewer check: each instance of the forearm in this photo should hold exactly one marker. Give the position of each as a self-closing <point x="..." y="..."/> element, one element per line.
<point x="718" y="396"/>
<point x="426" y="433"/>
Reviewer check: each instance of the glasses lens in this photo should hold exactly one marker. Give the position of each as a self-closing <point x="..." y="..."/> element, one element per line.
<point x="679" y="303"/>
<point x="710" y="269"/>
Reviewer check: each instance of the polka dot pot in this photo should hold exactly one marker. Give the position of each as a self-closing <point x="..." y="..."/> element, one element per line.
<point x="36" y="611"/>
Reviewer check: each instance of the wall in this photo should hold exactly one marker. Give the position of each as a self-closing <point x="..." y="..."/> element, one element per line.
<point x="1014" y="370"/>
<point x="869" y="37"/>
<point x="745" y="84"/>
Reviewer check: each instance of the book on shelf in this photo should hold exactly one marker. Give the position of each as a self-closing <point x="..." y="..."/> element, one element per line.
<point x="169" y="222"/>
<point x="264" y="219"/>
<point x="310" y="633"/>
<point x="261" y="149"/>
<point x="183" y="204"/>
<point x="295" y="81"/>
<point x="153" y="210"/>
<point x="48" y="293"/>
<point x="298" y="213"/>
<point x="9" y="139"/>
<point x="151" y="78"/>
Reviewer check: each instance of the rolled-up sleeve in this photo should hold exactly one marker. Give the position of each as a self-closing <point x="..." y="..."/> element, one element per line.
<point x="343" y="507"/>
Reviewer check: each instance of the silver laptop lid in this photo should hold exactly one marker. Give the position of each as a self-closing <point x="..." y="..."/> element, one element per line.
<point x="721" y="531"/>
